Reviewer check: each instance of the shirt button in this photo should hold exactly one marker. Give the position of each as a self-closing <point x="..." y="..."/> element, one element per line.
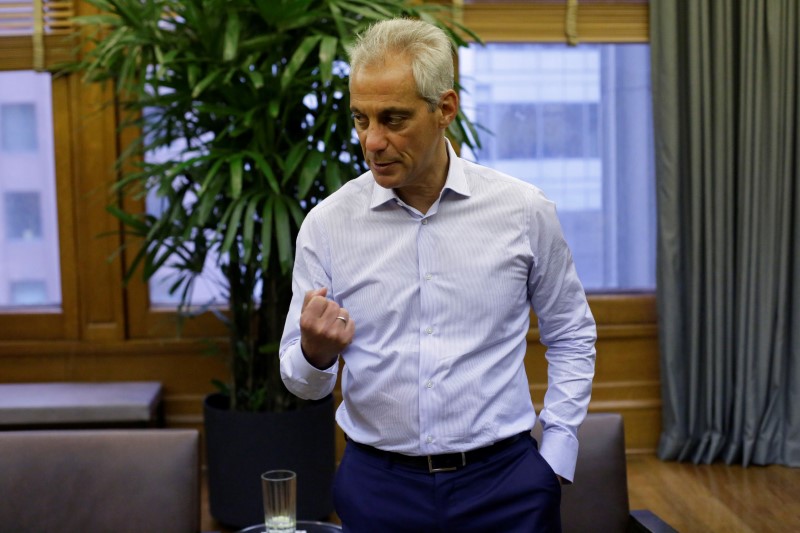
<point x="429" y="331"/>
<point x="428" y="276"/>
<point x="424" y="221"/>
<point x="429" y="439"/>
<point x="429" y="384"/>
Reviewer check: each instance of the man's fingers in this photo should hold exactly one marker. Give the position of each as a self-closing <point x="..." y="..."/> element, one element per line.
<point x="310" y="295"/>
<point x="321" y="316"/>
<point x="340" y="314"/>
<point x="349" y="331"/>
<point x="324" y="326"/>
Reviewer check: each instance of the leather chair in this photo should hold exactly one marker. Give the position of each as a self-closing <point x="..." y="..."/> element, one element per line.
<point x="130" y="480"/>
<point x="598" y="500"/>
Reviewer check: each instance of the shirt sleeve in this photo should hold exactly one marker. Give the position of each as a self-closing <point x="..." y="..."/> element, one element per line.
<point x="301" y="377"/>
<point x="567" y="329"/>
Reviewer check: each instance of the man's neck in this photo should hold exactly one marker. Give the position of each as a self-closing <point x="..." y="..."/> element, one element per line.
<point x="423" y="197"/>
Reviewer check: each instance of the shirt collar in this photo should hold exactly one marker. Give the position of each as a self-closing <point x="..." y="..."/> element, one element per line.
<point x="456" y="181"/>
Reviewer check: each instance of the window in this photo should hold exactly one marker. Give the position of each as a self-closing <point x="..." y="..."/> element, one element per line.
<point x="76" y="137"/>
<point x="71" y="166"/>
<point x="209" y="287"/>
<point x="23" y="216"/>
<point x="28" y="293"/>
<point x="29" y="247"/>
<point x="18" y="127"/>
<point x="541" y="130"/>
<point x="576" y="122"/>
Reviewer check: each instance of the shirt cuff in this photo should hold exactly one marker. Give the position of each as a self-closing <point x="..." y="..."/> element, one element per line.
<point x="305" y="380"/>
<point x="561" y="453"/>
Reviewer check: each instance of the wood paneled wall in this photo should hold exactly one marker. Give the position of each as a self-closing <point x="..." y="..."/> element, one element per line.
<point x="626" y="381"/>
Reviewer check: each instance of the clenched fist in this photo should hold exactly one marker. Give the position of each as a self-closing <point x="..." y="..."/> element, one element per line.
<point x="325" y="328"/>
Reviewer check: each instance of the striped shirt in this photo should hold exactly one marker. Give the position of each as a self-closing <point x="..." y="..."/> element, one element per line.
<point x="441" y="304"/>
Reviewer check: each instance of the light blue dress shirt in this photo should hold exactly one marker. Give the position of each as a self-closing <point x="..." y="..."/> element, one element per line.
<point x="441" y="304"/>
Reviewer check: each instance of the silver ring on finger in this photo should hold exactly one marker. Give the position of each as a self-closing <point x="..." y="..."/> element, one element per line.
<point x="343" y="319"/>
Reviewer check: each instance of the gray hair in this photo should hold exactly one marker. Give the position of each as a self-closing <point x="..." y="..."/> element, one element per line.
<point x="429" y="48"/>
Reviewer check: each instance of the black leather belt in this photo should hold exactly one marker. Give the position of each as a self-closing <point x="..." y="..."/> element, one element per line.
<point x="446" y="462"/>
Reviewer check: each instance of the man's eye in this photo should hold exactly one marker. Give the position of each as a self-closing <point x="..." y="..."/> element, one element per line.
<point x="395" y="121"/>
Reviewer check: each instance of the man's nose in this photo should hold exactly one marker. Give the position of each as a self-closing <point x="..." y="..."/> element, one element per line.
<point x="375" y="138"/>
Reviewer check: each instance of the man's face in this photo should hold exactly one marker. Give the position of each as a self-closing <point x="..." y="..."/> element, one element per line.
<point x="402" y="140"/>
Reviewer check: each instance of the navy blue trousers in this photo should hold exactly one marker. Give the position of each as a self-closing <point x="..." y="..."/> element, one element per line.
<point x="513" y="491"/>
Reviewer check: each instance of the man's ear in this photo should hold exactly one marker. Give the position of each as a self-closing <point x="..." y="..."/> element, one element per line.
<point x="448" y="105"/>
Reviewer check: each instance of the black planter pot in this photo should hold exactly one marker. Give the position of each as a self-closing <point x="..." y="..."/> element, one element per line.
<point x="240" y="446"/>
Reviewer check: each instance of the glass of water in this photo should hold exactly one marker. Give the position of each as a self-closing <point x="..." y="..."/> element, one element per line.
<point x="280" y="500"/>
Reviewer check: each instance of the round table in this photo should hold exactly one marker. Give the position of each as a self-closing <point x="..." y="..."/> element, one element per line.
<point x="309" y="526"/>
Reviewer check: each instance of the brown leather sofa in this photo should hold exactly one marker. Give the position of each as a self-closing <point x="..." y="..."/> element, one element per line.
<point x="130" y="480"/>
<point x="598" y="500"/>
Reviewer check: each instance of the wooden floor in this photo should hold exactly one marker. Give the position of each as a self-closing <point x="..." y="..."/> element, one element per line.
<point x="716" y="498"/>
<point x="698" y="498"/>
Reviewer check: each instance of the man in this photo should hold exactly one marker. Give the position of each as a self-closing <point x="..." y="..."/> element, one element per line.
<point x="420" y="275"/>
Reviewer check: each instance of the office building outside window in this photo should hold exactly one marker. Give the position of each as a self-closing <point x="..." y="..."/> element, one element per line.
<point x="574" y="121"/>
<point x="577" y="123"/>
<point x="30" y="274"/>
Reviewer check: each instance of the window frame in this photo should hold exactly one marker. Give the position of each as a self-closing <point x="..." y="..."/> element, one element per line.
<point x="98" y="306"/>
<point x="534" y="21"/>
<point x="85" y="148"/>
<point x="144" y="320"/>
<point x="617" y="312"/>
<point x="50" y="323"/>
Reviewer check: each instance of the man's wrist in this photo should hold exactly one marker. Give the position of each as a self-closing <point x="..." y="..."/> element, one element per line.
<point x="323" y="365"/>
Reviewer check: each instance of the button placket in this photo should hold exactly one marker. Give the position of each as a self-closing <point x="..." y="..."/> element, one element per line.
<point x="427" y="263"/>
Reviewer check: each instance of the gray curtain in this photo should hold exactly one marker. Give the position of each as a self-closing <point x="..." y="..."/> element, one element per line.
<point x="727" y="127"/>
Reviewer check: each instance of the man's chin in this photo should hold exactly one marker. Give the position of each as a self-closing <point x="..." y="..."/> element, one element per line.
<point x="387" y="176"/>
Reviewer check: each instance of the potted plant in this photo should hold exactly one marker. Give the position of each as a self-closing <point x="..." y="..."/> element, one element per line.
<point x="249" y="101"/>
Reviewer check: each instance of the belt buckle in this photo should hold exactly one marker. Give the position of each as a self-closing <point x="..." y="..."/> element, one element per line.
<point x="432" y="470"/>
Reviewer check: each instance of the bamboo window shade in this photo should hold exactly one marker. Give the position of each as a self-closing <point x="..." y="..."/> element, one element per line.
<point x="565" y="21"/>
<point x="35" y="34"/>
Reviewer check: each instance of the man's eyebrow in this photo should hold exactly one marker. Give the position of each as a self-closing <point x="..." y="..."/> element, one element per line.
<point x="387" y="111"/>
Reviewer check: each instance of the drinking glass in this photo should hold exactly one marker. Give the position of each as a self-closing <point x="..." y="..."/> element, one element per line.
<point x="280" y="500"/>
